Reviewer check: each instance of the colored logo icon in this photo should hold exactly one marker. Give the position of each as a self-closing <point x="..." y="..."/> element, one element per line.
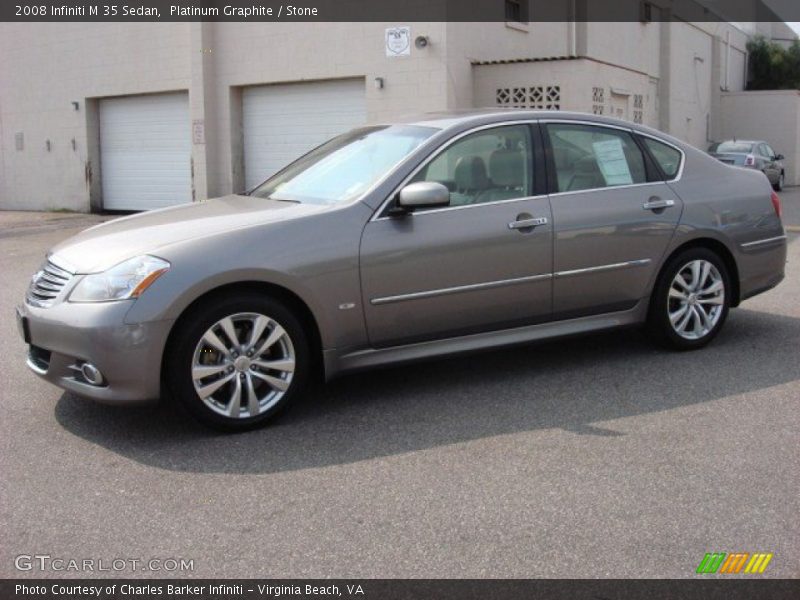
<point x="735" y="562"/>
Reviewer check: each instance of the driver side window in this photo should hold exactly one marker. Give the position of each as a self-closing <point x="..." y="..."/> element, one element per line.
<point x="486" y="166"/>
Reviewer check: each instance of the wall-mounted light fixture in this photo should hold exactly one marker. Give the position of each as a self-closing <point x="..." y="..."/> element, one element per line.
<point x="75" y="105"/>
<point x="421" y="42"/>
<point x="379" y="83"/>
<point x="48" y="146"/>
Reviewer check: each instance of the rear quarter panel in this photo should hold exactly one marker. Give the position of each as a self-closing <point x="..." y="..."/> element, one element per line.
<point x="733" y="206"/>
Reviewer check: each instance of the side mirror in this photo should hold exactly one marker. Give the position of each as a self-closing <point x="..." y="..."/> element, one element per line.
<point x="423" y="194"/>
<point x="779" y="157"/>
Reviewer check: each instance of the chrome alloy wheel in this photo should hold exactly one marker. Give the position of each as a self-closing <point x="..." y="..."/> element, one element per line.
<point x="243" y="365"/>
<point x="696" y="299"/>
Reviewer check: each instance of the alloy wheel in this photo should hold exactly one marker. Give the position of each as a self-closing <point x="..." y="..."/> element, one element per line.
<point x="243" y="365"/>
<point x="696" y="299"/>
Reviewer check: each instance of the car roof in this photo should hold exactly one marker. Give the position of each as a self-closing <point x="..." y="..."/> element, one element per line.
<point x="468" y="118"/>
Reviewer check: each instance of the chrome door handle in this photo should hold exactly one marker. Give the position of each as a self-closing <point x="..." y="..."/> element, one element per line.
<point x="525" y="223"/>
<point x="657" y="204"/>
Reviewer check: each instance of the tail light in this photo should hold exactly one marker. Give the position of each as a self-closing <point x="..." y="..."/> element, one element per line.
<point x="776" y="203"/>
<point x="749" y="160"/>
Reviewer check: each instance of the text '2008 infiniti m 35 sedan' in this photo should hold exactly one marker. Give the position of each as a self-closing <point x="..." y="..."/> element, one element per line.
<point x="399" y="242"/>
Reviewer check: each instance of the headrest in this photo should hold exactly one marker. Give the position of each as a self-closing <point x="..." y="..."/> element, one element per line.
<point x="507" y="167"/>
<point x="587" y="166"/>
<point x="470" y="173"/>
<point x="561" y="158"/>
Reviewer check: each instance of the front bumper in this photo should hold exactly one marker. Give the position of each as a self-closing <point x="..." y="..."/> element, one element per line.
<point x="65" y="335"/>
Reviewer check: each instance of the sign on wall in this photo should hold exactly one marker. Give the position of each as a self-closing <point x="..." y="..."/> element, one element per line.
<point x="398" y="41"/>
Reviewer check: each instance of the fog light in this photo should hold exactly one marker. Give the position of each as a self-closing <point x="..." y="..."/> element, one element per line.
<point x="92" y="374"/>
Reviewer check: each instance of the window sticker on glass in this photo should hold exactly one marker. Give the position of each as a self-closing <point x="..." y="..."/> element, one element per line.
<point x="612" y="162"/>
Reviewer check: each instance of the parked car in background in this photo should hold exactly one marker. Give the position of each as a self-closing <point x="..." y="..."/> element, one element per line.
<point x="753" y="154"/>
<point x="399" y="242"/>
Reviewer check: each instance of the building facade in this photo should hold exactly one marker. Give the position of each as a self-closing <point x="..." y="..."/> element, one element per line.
<point x="134" y="116"/>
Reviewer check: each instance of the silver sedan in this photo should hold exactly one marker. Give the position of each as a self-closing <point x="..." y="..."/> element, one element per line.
<point x="399" y="242"/>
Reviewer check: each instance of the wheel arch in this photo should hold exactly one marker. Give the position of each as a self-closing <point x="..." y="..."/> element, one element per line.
<point x="292" y="301"/>
<point x="718" y="248"/>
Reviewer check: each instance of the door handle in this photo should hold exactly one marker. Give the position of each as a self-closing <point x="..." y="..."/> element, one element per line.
<point x="525" y="223"/>
<point x="657" y="204"/>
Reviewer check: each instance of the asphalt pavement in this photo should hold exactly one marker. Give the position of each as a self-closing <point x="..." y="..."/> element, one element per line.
<point x="593" y="457"/>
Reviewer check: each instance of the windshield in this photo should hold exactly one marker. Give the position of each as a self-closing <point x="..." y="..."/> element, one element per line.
<point x="734" y="147"/>
<point x="345" y="167"/>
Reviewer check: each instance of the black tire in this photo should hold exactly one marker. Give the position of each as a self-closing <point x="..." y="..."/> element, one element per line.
<point x="779" y="184"/>
<point x="659" y="325"/>
<point x="184" y="346"/>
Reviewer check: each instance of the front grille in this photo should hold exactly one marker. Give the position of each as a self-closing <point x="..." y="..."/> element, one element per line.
<point x="47" y="284"/>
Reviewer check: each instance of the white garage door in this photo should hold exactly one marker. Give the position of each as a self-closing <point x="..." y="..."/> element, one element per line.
<point x="283" y="122"/>
<point x="145" y="151"/>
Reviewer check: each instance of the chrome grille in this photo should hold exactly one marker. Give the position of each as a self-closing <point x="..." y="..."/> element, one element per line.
<point x="46" y="284"/>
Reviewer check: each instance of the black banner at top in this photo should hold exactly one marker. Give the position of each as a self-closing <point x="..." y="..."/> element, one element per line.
<point x="399" y="10"/>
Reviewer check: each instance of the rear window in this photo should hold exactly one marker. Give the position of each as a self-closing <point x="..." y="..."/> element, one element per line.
<point x="667" y="157"/>
<point x="735" y="147"/>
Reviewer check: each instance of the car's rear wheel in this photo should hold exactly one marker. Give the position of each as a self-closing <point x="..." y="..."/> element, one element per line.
<point x="691" y="300"/>
<point x="238" y="360"/>
<point x="779" y="184"/>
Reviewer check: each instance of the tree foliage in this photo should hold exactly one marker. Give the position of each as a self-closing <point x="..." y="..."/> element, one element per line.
<point x="773" y="66"/>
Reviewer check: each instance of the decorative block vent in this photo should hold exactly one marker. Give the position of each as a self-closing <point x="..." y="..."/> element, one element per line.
<point x="540" y="97"/>
<point x="638" y="108"/>
<point x="598" y="100"/>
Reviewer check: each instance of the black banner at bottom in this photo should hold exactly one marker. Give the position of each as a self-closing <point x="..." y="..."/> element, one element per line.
<point x="401" y="589"/>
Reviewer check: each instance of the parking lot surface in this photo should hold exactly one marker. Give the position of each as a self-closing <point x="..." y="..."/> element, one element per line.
<point x="600" y="456"/>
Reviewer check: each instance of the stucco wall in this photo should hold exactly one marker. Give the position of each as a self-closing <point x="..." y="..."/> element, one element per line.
<point x="678" y="68"/>
<point x="773" y="116"/>
<point x="43" y="69"/>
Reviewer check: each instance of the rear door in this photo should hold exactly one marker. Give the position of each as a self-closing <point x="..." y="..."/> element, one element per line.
<point x="613" y="217"/>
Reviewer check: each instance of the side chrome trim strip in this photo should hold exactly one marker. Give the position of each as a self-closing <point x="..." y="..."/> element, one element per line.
<point x="766" y="241"/>
<point x="504" y="282"/>
<point x="458" y="289"/>
<point x="631" y="263"/>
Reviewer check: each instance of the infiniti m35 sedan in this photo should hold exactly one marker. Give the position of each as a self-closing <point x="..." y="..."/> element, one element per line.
<point x="399" y="242"/>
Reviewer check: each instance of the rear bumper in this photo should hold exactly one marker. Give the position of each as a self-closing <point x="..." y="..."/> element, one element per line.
<point x="762" y="265"/>
<point x="64" y="336"/>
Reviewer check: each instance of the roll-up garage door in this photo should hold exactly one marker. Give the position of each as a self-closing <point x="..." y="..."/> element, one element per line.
<point x="145" y="151"/>
<point x="284" y="121"/>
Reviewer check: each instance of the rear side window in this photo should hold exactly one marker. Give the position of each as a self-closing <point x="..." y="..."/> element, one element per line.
<point x="588" y="157"/>
<point x="667" y="157"/>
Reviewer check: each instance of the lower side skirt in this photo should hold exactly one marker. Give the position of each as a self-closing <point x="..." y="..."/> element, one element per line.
<point x="337" y="362"/>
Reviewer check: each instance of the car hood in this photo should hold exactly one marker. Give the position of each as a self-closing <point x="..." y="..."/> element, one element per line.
<point x="108" y="244"/>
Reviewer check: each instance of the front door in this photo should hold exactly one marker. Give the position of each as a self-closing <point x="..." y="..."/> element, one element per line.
<point x="612" y="223"/>
<point x="482" y="263"/>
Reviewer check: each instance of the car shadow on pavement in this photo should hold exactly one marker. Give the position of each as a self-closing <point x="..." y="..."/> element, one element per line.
<point x="570" y="385"/>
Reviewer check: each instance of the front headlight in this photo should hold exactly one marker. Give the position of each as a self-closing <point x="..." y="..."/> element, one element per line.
<point x="126" y="280"/>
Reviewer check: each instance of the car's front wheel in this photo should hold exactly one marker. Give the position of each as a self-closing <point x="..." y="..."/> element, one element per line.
<point x="237" y="360"/>
<point x="691" y="300"/>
